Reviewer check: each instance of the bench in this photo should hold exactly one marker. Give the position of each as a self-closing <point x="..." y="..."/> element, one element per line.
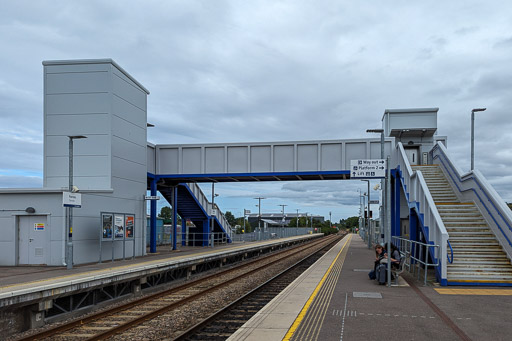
<point x="398" y="271"/>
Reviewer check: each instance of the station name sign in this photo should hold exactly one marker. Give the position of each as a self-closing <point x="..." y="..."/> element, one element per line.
<point x="70" y="199"/>
<point x="364" y="169"/>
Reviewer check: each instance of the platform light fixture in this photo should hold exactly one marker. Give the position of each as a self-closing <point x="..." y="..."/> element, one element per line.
<point x="473" y="135"/>
<point x="69" y="244"/>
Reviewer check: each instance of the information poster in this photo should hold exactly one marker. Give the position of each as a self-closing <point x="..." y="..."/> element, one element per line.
<point x="119" y="226"/>
<point x="129" y="225"/>
<point x="107" y="226"/>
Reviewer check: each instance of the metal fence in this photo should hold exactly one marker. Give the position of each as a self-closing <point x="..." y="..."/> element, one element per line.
<point x="417" y="256"/>
<point x="272" y="233"/>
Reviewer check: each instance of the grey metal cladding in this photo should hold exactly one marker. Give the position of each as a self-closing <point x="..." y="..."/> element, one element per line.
<point x="128" y="150"/>
<point x="284" y="158"/>
<point x="261" y="159"/>
<point x="128" y="91"/>
<point x="214" y="160"/>
<point x="90" y="103"/>
<point x="354" y="151"/>
<point x="191" y="160"/>
<point x="307" y="157"/>
<point x="238" y="159"/>
<point x="66" y="83"/>
<point x="58" y="146"/>
<point x="90" y="124"/>
<point x="331" y="156"/>
<point x="167" y="160"/>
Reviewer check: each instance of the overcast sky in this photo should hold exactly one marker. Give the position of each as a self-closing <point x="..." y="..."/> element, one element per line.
<point x="244" y="71"/>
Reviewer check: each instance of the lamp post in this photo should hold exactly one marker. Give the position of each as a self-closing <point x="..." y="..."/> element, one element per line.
<point x="330" y="219"/>
<point x="297" y="229"/>
<point x="368" y="216"/>
<point x="259" y="215"/>
<point x="282" y="220"/>
<point x="473" y="135"/>
<point x="69" y="244"/>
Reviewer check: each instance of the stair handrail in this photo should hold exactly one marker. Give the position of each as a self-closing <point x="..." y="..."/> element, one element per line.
<point x="418" y="194"/>
<point x="449" y="257"/>
<point x="207" y="205"/>
<point x="473" y="186"/>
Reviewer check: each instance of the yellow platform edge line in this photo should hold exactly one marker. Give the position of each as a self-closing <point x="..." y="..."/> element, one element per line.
<point x="482" y="292"/>
<point x="304" y="310"/>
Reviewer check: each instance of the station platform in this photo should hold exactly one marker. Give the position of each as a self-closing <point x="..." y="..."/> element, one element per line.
<point x="335" y="300"/>
<point x="35" y="291"/>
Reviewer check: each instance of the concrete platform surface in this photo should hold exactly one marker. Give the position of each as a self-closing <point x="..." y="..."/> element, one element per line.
<point x="15" y="281"/>
<point x="335" y="300"/>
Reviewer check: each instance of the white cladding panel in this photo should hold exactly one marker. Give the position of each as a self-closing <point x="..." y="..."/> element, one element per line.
<point x="214" y="160"/>
<point x="192" y="160"/>
<point x="150" y="159"/>
<point x="355" y="151"/>
<point x="307" y="157"/>
<point x="261" y="159"/>
<point x="238" y="159"/>
<point x="284" y="157"/>
<point x="331" y="156"/>
<point x="167" y="160"/>
<point x="66" y="83"/>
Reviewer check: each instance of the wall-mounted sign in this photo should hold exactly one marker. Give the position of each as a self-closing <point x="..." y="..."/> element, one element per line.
<point x="152" y="197"/>
<point x="39" y="227"/>
<point x="119" y="226"/>
<point x="364" y="169"/>
<point x="374" y="202"/>
<point x="71" y="199"/>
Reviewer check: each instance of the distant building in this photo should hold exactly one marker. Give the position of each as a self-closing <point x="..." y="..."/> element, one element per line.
<point x="276" y="219"/>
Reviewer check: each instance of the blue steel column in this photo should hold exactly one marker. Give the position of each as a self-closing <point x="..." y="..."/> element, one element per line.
<point x="175" y="216"/>
<point x="152" y="219"/>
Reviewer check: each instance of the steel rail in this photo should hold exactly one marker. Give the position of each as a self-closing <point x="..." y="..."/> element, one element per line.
<point x="97" y="316"/>
<point x="134" y="322"/>
<point x="194" y="329"/>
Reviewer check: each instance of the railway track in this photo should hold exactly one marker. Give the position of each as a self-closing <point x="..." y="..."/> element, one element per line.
<point x="127" y="320"/>
<point x="223" y="323"/>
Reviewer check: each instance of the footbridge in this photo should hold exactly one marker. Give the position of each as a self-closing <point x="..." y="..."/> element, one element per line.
<point x="465" y="223"/>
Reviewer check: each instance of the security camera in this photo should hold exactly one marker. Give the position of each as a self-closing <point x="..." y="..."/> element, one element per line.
<point x="75" y="189"/>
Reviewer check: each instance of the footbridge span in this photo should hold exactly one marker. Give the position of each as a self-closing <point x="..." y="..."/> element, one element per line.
<point x="459" y="215"/>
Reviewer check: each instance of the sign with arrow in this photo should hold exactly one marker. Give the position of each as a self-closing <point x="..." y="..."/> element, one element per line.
<point x="368" y="169"/>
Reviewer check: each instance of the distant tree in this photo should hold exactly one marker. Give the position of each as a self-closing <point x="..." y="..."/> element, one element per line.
<point x="509" y="204"/>
<point x="166" y="214"/>
<point x="230" y="218"/>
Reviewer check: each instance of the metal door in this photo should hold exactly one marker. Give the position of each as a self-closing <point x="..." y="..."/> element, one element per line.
<point x="32" y="240"/>
<point x="412" y="155"/>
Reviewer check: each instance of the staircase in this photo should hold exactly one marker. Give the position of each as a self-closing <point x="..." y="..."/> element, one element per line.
<point x="477" y="255"/>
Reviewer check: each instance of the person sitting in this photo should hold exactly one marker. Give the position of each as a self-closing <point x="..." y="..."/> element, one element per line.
<point x="379" y="255"/>
<point x="381" y="269"/>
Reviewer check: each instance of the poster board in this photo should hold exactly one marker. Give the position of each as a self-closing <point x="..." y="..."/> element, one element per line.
<point x="129" y="226"/>
<point x="107" y="223"/>
<point x="118" y="226"/>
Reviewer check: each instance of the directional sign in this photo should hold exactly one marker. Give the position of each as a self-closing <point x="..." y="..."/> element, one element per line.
<point x="375" y="168"/>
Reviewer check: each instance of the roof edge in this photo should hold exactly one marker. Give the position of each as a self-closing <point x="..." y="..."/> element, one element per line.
<point x="95" y="61"/>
